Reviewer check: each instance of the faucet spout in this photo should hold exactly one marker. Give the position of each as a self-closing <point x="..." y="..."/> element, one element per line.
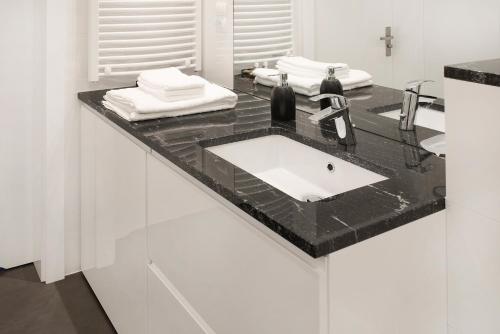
<point x="411" y="103"/>
<point x="339" y="113"/>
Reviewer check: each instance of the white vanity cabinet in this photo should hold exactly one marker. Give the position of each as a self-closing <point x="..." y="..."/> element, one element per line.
<point x="239" y="277"/>
<point x="113" y="240"/>
<point x="166" y="254"/>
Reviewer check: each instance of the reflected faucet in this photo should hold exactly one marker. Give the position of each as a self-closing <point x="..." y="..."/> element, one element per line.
<point x="339" y="113"/>
<point x="411" y="102"/>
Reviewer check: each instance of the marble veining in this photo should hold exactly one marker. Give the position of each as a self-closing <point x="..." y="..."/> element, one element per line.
<point x="366" y="105"/>
<point x="414" y="189"/>
<point x="486" y="72"/>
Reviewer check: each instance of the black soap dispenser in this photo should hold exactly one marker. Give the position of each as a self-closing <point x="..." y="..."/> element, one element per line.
<point x="330" y="85"/>
<point x="283" y="105"/>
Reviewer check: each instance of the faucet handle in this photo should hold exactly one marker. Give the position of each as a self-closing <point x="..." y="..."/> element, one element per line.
<point x="338" y="102"/>
<point x="415" y="85"/>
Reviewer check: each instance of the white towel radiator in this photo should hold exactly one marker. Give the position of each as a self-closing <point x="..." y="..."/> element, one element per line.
<point x="129" y="36"/>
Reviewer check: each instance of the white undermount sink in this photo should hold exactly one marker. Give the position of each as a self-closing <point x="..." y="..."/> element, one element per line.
<point x="298" y="170"/>
<point x="427" y="118"/>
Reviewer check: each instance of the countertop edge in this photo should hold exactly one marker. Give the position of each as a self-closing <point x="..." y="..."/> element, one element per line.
<point x="485" y="72"/>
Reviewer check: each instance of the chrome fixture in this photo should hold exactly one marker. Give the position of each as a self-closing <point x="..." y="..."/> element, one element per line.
<point x="411" y="102"/>
<point x="339" y="113"/>
<point x="339" y="105"/>
<point x="388" y="41"/>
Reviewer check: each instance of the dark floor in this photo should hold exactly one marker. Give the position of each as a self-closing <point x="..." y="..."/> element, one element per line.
<point x="66" y="307"/>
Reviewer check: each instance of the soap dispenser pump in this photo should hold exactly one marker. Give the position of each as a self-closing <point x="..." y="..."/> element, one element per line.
<point x="283" y="105"/>
<point x="330" y="85"/>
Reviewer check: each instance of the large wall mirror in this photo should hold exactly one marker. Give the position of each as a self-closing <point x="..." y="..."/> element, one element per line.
<point x="393" y="41"/>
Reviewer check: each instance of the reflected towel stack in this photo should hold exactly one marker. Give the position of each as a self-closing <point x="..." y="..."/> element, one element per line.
<point x="168" y="93"/>
<point x="304" y="67"/>
<point x="305" y="76"/>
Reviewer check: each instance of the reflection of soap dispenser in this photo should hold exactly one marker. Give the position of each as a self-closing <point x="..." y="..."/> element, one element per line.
<point x="330" y="85"/>
<point x="283" y="100"/>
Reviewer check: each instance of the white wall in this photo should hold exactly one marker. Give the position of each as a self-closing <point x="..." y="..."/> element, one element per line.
<point x="21" y="132"/>
<point x="304" y="16"/>
<point x="43" y="65"/>
<point x="457" y="31"/>
<point x="218" y="42"/>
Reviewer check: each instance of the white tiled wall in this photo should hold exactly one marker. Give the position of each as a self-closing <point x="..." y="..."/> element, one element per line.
<point x="473" y="207"/>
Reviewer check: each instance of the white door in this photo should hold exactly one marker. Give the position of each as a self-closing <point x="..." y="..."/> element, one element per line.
<point x="350" y="31"/>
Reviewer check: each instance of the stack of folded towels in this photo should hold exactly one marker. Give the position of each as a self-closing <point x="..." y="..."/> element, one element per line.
<point x="168" y="93"/>
<point x="305" y="75"/>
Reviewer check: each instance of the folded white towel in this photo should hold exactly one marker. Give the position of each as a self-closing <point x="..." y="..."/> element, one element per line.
<point x="171" y="95"/>
<point x="135" y="117"/>
<point x="356" y="79"/>
<point x="301" y="66"/>
<point x="170" y="80"/>
<point x="311" y="86"/>
<point x="134" y="104"/>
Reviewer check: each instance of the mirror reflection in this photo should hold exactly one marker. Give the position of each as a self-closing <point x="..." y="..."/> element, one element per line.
<point x="387" y="55"/>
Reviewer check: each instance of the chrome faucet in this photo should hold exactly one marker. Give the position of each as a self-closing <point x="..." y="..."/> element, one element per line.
<point x="411" y="102"/>
<point x="339" y="113"/>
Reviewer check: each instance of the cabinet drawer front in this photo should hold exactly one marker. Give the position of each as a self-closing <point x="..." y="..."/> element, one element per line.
<point x="168" y="312"/>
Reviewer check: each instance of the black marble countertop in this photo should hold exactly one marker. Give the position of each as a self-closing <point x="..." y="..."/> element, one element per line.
<point x="414" y="189"/>
<point x="366" y="105"/>
<point x="486" y="72"/>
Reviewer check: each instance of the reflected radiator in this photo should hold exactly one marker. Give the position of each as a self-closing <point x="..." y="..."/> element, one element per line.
<point x="263" y="31"/>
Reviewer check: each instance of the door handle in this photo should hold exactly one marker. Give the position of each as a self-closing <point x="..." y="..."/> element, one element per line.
<point x="388" y="41"/>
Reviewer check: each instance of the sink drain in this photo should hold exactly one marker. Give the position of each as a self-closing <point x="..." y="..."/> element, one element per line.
<point x="331" y="167"/>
